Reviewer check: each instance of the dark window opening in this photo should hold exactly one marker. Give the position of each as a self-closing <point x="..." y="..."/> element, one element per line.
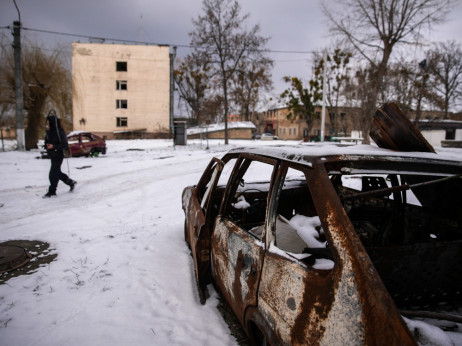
<point x="411" y="235"/>
<point x="121" y="66"/>
<point x="247" y="208"/>
<point x="121" y="85"/>
<point x="450" y="134"/>
<point x="121" y="104"/>
<point x="122" y="121"/>
<point x="298" y="229"/>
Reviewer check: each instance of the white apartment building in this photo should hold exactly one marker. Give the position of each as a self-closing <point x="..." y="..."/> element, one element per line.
<point x="121" y="91"/>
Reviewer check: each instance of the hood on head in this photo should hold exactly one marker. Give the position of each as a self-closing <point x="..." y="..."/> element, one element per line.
<point x="52" y="119"/>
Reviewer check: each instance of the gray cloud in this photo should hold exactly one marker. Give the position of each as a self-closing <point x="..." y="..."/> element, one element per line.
<point x="292" y="25"/>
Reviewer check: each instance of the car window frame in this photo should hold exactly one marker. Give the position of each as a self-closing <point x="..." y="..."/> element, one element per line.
<point x="243" y="162"/>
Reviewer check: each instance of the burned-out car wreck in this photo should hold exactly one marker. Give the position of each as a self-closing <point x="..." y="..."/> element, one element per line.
<point x="329" y="245"/>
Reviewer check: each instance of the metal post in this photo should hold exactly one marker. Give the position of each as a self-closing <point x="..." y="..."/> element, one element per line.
<point x="18" y="85"/>
<point x="172" y="90"/>
<point x="207" y="133"/>
<point x="323" y="113"/>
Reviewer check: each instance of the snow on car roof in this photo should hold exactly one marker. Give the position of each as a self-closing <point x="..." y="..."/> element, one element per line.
<point x="307" y="153"/>
<point x="74" y="133"/>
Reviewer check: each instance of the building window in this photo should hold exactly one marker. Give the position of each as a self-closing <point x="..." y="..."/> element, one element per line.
<point x="121" y="85"/>
<point x="295" y="131"/>
<point x="450" y="134"/>
<point x="290" y="131"/>
<point x="121" y="104"/>
<point x="122" y="122"/>
<point x="121" y="66"/>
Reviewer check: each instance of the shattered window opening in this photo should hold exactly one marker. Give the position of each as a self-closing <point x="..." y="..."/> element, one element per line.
<point x="412" y="231"/>
<point x="247" y="208"/>
<point x="298" y="228"/>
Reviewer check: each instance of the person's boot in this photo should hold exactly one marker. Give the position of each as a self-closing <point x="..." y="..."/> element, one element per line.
<point x="51" y="192"/>
<point x="71" y="184"/>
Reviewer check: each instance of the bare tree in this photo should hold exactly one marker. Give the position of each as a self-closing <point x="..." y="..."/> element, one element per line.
<point x="375" y="27"/>
<point x="445" y="69"/>
<point x="249" y="80"/>
<point x="192" y="79"/>
<point x="222" y="34"/>
<point x="6" y="93"/>
<point x="400" y="84"/>
<point x="47" y="83"/>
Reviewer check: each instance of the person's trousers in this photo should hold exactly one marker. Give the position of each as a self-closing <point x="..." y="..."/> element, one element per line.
<point x="55" y="172"/>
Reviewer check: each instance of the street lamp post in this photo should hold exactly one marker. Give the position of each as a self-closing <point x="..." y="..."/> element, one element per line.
<point x="18" y="85"/>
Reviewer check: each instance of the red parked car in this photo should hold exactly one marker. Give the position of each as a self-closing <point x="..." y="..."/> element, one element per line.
<point x="86" y="144"/>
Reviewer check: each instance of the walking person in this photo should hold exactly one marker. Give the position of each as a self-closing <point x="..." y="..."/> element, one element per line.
<point x="56" y="143"/>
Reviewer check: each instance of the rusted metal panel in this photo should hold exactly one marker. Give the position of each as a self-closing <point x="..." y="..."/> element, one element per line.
<point x="198" y="224"/>
<point x="295" y="299"/>
<point x="391" y="129"/>
<point x="290" y="302"/>
<point x="237" y="260"/>
<point x="359" y="291"/>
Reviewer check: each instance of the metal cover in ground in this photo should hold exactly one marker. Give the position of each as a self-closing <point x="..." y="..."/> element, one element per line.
<point x="12" y="257"/>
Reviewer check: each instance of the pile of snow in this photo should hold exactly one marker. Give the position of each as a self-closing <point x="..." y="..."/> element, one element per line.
<point x="221" y="127"/>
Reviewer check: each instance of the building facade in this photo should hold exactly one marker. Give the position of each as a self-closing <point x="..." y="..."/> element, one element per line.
<point x="345" y="122"/>
<point x="121" y="91"/>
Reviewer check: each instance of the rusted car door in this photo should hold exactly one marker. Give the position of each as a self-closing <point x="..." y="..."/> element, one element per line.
<point x="237" y="239"/>
<point x="198" y="228"/>
<point x="74" y="144"/>
<point x="326" y="290"/>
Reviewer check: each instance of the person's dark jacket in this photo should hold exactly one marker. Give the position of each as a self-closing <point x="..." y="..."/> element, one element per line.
<point x="55" y="135"/>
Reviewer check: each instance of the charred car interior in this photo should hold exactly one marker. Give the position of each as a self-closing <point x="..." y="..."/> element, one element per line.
<point x="328" y="245"/>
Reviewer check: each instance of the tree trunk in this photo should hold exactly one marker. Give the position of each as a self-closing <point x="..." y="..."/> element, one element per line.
<point x="35" y="119"/>
<point x="371" y="103"/>
<point x="225" y="94"/>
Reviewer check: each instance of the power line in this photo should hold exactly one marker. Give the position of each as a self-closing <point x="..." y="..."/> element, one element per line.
<point x="103" y="39"/>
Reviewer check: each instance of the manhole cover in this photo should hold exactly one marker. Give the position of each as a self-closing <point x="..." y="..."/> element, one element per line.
<point x="12" y="257"/>
<point x="38" y="254"/>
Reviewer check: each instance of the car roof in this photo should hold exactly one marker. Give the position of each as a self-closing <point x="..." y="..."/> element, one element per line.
<point x="75" y="133"/>
<point x="308" y="154"/>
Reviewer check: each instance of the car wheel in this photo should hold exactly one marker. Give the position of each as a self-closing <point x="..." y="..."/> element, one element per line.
<point x="94" y="152"/>
<point x="103" y="151"/>
<point x="259" y="338"/>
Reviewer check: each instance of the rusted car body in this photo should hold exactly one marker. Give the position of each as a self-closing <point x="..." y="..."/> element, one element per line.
<point x="327" y="245"/>
<point x="86" y="144"/>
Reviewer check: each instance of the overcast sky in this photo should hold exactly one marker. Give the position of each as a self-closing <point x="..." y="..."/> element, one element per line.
<point x="292" y="25"/>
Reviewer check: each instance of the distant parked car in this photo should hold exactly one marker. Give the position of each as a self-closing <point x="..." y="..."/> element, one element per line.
<point x="86" y="144"/>
<point x="268" y="137"/>
<point x="256" y="135"/>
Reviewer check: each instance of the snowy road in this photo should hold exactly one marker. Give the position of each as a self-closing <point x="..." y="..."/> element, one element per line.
<point x="123" y="275"/>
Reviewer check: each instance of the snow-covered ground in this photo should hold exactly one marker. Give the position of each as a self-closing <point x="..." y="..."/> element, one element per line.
<point x="123" y="274"/>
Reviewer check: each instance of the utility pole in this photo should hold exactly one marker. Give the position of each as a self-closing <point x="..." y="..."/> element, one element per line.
<point x="172" y="90"/>
<point x="323" y="113"/>
<point x="18" y="84"/>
